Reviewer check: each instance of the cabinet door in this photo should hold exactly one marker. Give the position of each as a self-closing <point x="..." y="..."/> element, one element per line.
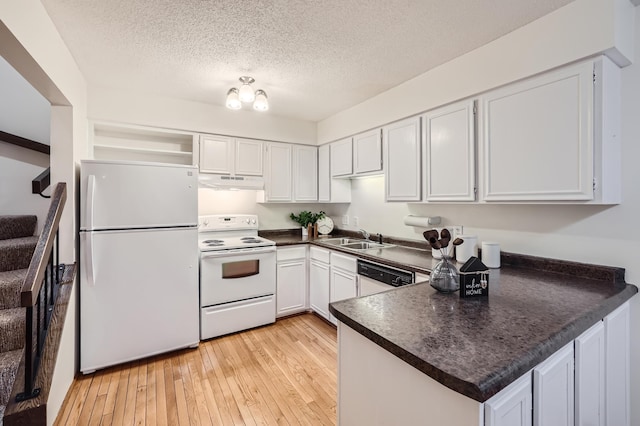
<point x="617" y="371"/>
<point x="367" y="152"/>
<point x="216" y="154"/>
<point x="248" y="157"/>
<point x="319" y="278"/>
<point x="553" y="389"/>
<point x="342" y="158"/>
<point x="403" y="160"/>
<point x="324" y="173"/>
<point x="291" y="287"/>
<point x="589" y="375"/>
<point x="278" y="164"/>
<point x="538" y="138"/>
<point x="450" y="173"/>
<point x="305" y="165"/>
<point x="343" y="286"/>
<point x="511" y="406"/>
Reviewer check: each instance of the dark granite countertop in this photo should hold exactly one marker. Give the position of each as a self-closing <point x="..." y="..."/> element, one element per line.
<point x="478" y="346"/>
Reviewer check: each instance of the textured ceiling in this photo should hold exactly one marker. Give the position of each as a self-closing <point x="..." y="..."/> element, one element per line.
<point x="313" y="58"/>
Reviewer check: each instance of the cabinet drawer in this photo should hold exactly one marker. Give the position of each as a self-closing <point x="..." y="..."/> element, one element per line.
<point x="347" y="263"/>
<point x="319" y="254"/>
<point x="290" y="253"/>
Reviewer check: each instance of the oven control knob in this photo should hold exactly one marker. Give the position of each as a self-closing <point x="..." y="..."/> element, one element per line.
<point x="253" y="221"/>
<point x="247" y="220"/>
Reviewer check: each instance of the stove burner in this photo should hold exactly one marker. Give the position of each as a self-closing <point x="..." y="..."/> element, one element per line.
<point x="249" y="240"/>
<point x="213" y="243"/>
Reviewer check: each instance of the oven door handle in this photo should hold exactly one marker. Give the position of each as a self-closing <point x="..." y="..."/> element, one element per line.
<point x="241" y="252"/>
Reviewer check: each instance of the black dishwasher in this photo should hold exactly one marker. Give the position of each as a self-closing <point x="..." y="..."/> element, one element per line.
<point x="374" y="278"/>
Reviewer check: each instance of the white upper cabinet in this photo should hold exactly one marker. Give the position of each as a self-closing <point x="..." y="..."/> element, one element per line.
<point x="450" y="160"/>
<point x="342" y="157"/>
<point x="230" y="156"/>
<point x="367" y="152"/>
<point x="331" y="190"/>
<point x="110" y="141"/>
<point x="278" y="165"/>
<point x="305" y="173"/>
<point x="403" y="160"/>
<point x="554" y="137"/>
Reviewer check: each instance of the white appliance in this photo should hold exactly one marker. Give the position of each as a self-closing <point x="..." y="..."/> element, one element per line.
<point x="139" y="261"/>
<point x="237" y="275"/>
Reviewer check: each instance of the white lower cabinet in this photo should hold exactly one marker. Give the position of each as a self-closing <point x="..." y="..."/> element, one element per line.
<point x="589" y="376"/>
<point x="512" y="406"/>
<point x="291" y="273"/>
<point x="553" y="389"/>
<point x="319" y="281"/>
<point x="617" y="368"/>
<point x="344" y="270"/>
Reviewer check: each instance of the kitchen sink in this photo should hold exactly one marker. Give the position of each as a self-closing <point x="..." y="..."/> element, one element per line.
<point x="356" y="243"/>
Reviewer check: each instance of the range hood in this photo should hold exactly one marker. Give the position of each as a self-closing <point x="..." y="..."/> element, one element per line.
<point x="230" y="182"/>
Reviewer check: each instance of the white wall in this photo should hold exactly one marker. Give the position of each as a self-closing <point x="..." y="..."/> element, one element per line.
<point x="578" y="30"/>
<point x="31" y="44"/>
<point x="144" y="109"/>
<point x="23" y="112"/>
<point x="592" y="234"/>
<point x="271" y="216"/>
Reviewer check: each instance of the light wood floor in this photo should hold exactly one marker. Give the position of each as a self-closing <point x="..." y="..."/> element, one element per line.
<point x="279" y="374"/>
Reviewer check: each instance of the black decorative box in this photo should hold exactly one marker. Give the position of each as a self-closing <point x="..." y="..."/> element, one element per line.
<point x="474" y="279"/>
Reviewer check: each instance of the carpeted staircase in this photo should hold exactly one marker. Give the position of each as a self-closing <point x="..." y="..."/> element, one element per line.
<point x="17" y="244"/>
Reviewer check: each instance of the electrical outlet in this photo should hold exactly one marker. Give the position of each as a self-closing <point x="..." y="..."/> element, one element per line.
<point x="356" y="221"/>
<point x="455" y="230"/>
<point x="345" y="219"/>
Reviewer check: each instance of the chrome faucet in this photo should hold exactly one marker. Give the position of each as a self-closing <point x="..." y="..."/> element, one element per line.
<point x="365" y="234"/>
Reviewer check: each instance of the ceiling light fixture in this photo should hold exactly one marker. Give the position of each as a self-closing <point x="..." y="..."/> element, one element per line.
<point x="236" y="97"/>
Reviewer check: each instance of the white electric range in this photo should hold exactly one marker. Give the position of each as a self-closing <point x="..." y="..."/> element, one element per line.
<point x="237" y="275"/>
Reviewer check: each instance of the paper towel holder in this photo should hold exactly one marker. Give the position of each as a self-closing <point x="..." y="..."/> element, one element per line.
<point x="422" y="221"/>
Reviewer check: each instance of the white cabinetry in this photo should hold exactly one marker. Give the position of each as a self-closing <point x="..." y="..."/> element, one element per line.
<point x="305" y="173"/>
<point x="110" y="141"/>
<point x="367" y="153"/>
<point x="278" y="168"/>
<point x="319" y="281"/>
<point x="342" y="157"/>
<point x="553" y="390"/>
<point x="617" y="368"/>
<point x="230" y="156"/>
<point x="331" y="190"/>
<point x="511" y="406"/>
<point x="344" y="282"/>
<point x="449" y="138"/>
<point x="403" y="161"/>
<point x="554" y="137"/>
<point x="589" y="376"/>
<point x="291" y="273"/>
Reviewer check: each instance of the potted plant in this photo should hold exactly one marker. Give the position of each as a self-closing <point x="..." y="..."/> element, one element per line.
<point x="305" y="219"/>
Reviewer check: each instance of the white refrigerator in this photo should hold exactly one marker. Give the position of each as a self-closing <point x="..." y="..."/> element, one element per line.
<point x="138" y="261"/>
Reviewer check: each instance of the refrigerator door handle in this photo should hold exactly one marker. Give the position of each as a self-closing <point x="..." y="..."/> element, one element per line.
<point x="89" y="259"/>
<point x="91" y="189"/>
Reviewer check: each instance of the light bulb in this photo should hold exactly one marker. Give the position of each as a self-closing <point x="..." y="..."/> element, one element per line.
<point x="246" y="92"/>
<point x="261" y="103"/>
<point x="233" y="101"/>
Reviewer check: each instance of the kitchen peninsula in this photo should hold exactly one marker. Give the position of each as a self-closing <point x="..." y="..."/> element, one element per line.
<point x="416" y="356"/>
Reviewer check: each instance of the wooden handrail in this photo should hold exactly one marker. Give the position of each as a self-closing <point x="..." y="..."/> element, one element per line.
<point x="25" y="143"/>
<point x="41" y="182"/>
<point x="38" y="265"/>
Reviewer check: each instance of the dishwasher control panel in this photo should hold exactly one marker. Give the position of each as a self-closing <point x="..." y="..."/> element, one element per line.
<point x="385" y="274"/>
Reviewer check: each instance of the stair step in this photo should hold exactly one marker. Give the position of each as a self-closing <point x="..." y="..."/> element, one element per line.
<point x="16" y="252"/>
<point x="17" y="226"/>
<point x="12" y="323"/>
<point x="9" y="363"/>
<point x="10" y="286"/>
